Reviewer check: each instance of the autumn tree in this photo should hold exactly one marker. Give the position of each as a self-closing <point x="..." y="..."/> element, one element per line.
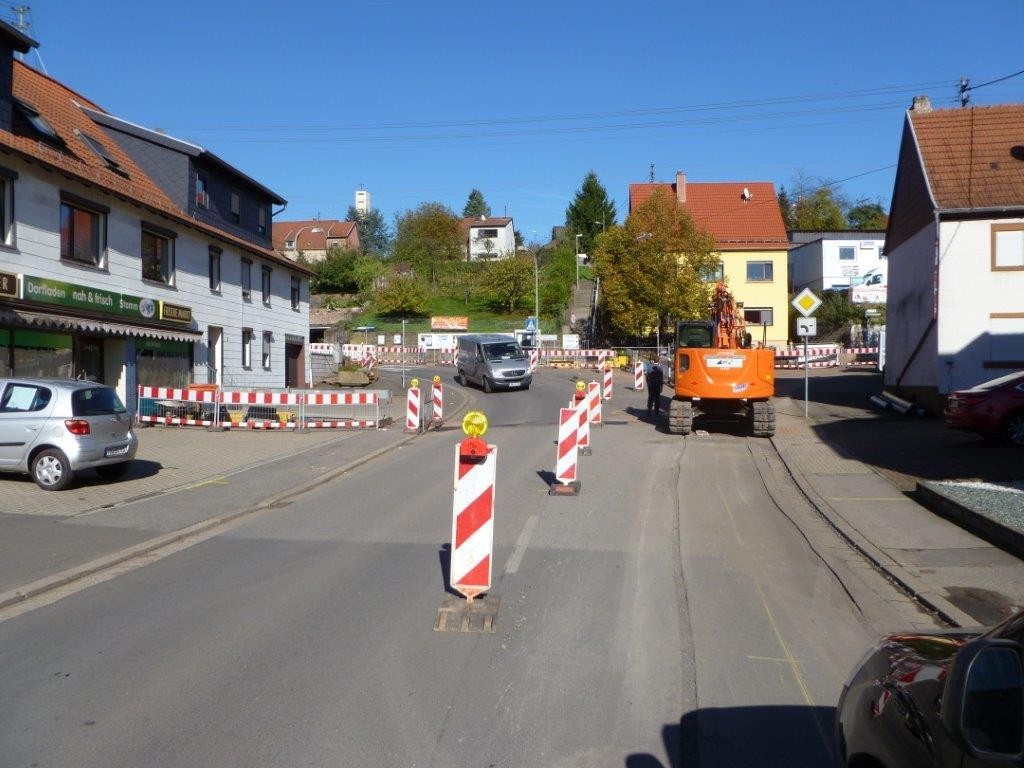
<point x="590" y="212"/>
<point x="402" y="295"/>
<point x="476" y="206"/>
<point x="509" y="280"/>
<point x="652" y="268"/>
<point x="334" y="272"/>
<point x="867" y="215"/>
<point x="427" y="236"/>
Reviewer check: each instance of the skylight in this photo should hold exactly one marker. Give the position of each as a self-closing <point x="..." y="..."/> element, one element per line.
<point x="37" y="121"/>
<point x="102" y="152"/>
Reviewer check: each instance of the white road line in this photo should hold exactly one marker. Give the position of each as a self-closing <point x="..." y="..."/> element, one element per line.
<point x="521" y="543"/>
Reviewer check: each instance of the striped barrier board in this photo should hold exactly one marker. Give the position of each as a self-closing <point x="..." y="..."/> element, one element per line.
<point x="437" y="402"/>
<point x="606" y="392"/>
<point x="412" y="410"/>
<point x="594" y="402"/>
<point x="182" y="400"/>
<point x="863" y="356"/>
<point x="473" y="524"/>
<point x="583" y="426"/>
<point x="565" y="456"/>
<point x="638" y="377"/>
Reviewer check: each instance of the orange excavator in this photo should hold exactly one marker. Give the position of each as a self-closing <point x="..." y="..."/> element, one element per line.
<point x="719" y="373"/>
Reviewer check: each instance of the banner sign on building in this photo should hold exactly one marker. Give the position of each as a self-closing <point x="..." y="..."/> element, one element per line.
<point x="449" y="323"/>
<point x="175" y="313"/>
<point x="45" y="291"/>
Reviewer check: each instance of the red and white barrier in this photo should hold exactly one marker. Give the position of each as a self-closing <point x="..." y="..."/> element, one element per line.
<point x="565" y="457"/>
<point x="473" y="519"/>
<point x="181" y="407"/>
<point x="534" y="360"/>
<point x="859" y="355"/>
<point x="602" y="359"/>
<point x="412" y="410"/>
<point x="607" y="382"/>
<point x="324" y="401"/>
<point x="437" y="401"/>
<point x="583" y="427"/>
<point x="594" y="402"/>
<point x="286" y="404"/>
<point x="638" y="377"/>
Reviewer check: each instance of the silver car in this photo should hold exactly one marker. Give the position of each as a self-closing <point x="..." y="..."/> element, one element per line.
<point x="53" y="428"/>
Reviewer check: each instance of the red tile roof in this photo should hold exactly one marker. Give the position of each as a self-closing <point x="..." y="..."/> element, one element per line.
<point x="719" y="209"/>
<point x="474" y="222"/>
<point x="967" y="155"/>
<point x="59" y="105"/>
<point x="313" y="234"/>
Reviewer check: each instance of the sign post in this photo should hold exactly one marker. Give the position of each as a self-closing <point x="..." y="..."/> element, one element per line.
<point x="805" y="303"/>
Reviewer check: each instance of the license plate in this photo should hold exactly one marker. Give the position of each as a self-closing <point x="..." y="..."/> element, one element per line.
<point x="119" y="451"/>
<point x="513" y="384"/>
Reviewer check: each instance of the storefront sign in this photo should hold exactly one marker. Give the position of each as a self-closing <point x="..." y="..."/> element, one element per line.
<point x="8" y="285"/>
<point x="175" y="313"/>
<point x="445" y="323"/>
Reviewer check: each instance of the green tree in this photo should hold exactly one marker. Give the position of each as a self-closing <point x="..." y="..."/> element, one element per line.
<point x="867" y="215"/>
<point x="651" y="268"/>
<point x="374" y="235"/>
<point x="590" y="212"/>
<point x="818" y="209"/>
<point x="402" y="295"/>
<point x="786" y="207"/>
<point x="334" y="273"/>
<point x="428" y="236"/>
<point x="476" y="206"/>
<point x="509" y="280"/>
<point x="365" y="271"/>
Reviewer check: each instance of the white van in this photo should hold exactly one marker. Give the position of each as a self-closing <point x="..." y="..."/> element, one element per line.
<point x="493" y="361"/>
<point x="872" y="287"/>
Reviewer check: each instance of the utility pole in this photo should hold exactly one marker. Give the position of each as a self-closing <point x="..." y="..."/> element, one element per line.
<point x="965" y="87"/>
<point x="650" y="176"/>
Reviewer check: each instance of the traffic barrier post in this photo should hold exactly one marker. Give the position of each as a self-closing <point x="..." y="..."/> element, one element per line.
<point x="534" y="360"/>
<point x="638" y="377"/>
<point x="594" y="403"/>
<point x="566" y="482"/>
<point x="412" y="407"/>
<point x="607" y="393"/>
<point x="583" y="427"/>
<point x="473" y="510"/>
<point x="437" y="401"/>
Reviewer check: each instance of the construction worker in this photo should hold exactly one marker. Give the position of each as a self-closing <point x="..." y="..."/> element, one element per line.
<point x="655" y="381"/>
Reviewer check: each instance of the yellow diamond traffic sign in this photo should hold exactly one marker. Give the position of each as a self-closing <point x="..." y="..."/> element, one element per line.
<point x="806" y="302"/>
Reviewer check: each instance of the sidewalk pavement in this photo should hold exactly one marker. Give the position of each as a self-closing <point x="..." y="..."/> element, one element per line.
<point x="186" y="479"/>
<point x="963" y="578"/>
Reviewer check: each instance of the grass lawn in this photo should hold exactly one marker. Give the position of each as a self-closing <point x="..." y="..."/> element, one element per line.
<point x="482" y="318"/>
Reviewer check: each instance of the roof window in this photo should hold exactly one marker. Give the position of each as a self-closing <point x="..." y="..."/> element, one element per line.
<point x="102" y="152"/>
<point x="37" y="121"/>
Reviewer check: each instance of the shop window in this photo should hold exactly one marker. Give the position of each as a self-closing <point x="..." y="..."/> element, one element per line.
<point x="247" y="347"/>
<point x="266" y="273"/>
<point x="268" y="340"/>
<point x="81" y="233"/>
<point x="760" y="272"/>
<point x="215" y="269"/>
<point x="157" y="256"/>
<point x="296" y="292"/>
<point x="40" y="354"/>
<point x="247" y="279"/>
<point x="162" y="363"/>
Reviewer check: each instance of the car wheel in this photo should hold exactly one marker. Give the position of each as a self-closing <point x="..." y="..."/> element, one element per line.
<point x="487" y="385"/>
<point x="113" y="471"/>
<point x="461" y="377"/>
<point x="51" y="470"/>
<point x="1014" y="429"/>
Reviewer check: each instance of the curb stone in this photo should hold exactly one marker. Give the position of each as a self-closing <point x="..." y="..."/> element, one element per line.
<point x="931" y="496"/>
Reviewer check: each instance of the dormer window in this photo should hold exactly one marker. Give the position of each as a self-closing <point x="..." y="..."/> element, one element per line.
<point x="38" y="122"/>
<point x="102" y="153"/>
<point x="289" y="245"/>
<point x="202" y="194"/>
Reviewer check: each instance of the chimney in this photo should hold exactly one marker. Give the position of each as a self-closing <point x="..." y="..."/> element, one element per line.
<point x="921" y="104"/>
<point x="680" y="187"/>
<point x="11" y="40"/>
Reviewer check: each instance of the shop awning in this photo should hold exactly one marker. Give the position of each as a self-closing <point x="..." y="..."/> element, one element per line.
<point x="65" y="323"/>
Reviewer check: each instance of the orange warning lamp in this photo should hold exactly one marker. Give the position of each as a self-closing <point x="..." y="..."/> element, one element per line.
<point x="474" y="424"/>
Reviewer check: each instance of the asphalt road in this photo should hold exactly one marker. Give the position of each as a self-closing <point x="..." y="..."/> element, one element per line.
<point x="675" y="613"/>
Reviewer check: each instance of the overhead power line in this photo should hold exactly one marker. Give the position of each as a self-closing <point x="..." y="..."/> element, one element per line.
<point x="966" y="87"/>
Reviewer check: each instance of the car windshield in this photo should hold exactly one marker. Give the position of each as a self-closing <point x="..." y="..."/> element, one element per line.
<point x="503" y="350"/>
<point x="1008" y="379"/>
<point x="97" y="401"/>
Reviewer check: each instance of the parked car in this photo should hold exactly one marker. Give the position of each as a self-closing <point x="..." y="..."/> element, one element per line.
<point x="53" y="428"/>
<point x="994" y="409"/>
<point x="940" y="700"/>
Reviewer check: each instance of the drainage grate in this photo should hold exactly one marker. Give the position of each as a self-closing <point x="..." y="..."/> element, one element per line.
<point x="456" y="614"/>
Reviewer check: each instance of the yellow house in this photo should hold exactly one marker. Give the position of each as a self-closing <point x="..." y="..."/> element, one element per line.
<point x="745" y="220"/>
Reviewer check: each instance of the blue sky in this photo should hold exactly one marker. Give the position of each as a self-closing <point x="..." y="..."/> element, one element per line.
<point x="422" y="100"/>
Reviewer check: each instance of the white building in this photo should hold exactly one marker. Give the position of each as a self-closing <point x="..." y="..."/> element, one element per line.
<point x="114" y="274"/>
<point x="832" y="260"/>
<point x="489" y="237"/>
<point x="363" y="205"/>
<point x="956" y="250"/>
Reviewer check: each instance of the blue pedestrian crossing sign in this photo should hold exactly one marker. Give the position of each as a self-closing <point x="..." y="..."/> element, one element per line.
<point x="531" y="324"/>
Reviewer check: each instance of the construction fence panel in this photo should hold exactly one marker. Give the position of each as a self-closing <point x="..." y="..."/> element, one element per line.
<point x="818" y="356"/>
<point x="178" y="407"/>
<point x="262" y="409"/>
<point x="861" y="357"/>
<point x="362" y="409"/>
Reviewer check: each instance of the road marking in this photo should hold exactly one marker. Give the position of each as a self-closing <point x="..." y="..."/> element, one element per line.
<point x="728" y="511"/>
<point x="521" y="543"/>
<point x="771" y="658"/>
<point x="221" y="480"/>
<point x="794" y="667"/>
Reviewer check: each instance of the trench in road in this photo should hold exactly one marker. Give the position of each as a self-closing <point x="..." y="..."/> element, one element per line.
<point x="306" y="635"/>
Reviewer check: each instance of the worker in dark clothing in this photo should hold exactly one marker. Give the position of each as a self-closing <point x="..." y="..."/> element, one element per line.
<point x="655" y="381"/>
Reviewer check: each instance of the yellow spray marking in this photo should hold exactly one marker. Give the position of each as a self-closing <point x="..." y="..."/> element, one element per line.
<point x="221" y="480"/>
<point x="728" y="511"/>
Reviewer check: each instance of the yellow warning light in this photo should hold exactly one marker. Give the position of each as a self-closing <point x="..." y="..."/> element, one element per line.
<point x="414" y="383"/>
<point x="580" y="386"/>
<point x="437" y="379"/>
<point x="474" y="424"/>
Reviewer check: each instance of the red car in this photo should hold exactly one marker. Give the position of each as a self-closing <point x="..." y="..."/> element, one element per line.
<point x="994" y="409"/>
